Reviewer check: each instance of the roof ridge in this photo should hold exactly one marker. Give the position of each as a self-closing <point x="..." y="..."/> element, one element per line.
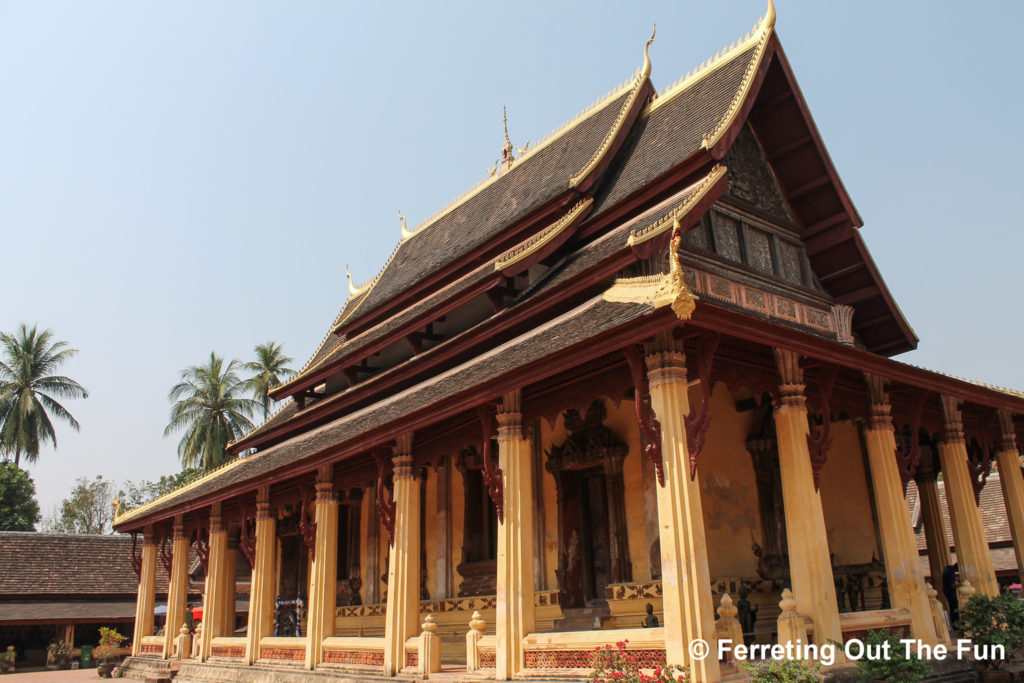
<point x="122" y="517"/>
<point x="757" y="35"/>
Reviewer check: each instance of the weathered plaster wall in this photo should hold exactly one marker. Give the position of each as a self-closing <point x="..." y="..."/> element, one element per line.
<point x="846" y="499"/>
<point x="728" y="487"/>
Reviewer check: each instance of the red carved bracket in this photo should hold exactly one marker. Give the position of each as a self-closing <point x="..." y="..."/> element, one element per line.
<point x="979" y="452"/>
<point x="247" y="539"/>
<point x="820" y="440"/>
<point x="307" y="526"/>
<point x="491" y="474"/>
<point x="908" y="458"/>
<point x="644" y="415"/>
<point x="386" y="509"/>
<point x="136" y="558"/>
<point x="697" y="424"/>
<point x="166" y="552"/>
<point x="202" y="547"/>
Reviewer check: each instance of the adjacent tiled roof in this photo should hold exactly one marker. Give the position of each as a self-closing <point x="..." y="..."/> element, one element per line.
<point x="49" y="611"/>
<point x="64" y="565"/>
<point x="578" y="325"/>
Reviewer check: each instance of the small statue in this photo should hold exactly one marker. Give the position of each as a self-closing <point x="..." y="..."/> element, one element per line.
<point x="650" y="621"/>
<point x="747" y="614"/>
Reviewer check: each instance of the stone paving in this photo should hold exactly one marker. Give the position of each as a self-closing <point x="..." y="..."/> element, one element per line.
<point x="65" y="676"/>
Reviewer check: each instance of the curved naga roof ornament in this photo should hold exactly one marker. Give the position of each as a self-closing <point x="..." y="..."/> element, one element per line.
<point x="613" y="133"/>
<point x="406" y="232"/>
<point x="354" y="291"/>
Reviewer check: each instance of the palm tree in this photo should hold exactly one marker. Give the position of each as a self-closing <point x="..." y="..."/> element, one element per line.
<point x="270" y="371"/>
<point x="29" y="391"/>
<point x="210" y="408"/>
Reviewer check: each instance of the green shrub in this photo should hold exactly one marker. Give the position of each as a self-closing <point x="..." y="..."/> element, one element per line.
<point x="897" y="667"/>
<point x="993" y="622"/>
<point x="783" y="671"/>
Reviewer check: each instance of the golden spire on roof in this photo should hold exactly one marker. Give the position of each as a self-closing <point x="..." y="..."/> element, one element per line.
<point x="506" y="148"/>
<point x="645" y="70"/>
<point x="406" y="232"/>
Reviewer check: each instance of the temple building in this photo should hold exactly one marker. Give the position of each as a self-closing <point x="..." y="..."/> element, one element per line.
<point x="645" y="361"/>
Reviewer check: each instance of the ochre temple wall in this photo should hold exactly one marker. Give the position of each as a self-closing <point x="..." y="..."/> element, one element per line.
<point x="728" y="488"/>
<point x="622" y="421"/>
<point x="430" y="535"/>
<point x="846" y="499"/>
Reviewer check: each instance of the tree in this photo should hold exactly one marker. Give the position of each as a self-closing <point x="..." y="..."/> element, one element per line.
<point x="210" y="408"/>
<point x="270" y="371"/>
<point x="88" y="510"/>
<point x="137" y="494"/>
<point x="28" y="391"/>
<point x="19" y="510"/>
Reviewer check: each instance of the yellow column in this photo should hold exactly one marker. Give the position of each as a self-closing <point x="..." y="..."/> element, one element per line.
<point x="1013" y="484"/>
<point x="934" y="530"/>
<point x="177" y="591"/>
<point x="261" y="594"/>
<point x="685" y="577"/>
<point x="146" y="601"/>
<point x="213" y="603"/>
<point x="324" y="572"/>
<point x="226" y="613"/>
<point x="972" y="551"/>
<point x="401" y="620"/>
<point x="906" y="585"/>
<point x="810" y="565"/>
<point x="514" y="614"/>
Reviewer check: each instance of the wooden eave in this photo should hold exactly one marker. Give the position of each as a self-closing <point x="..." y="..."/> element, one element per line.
<point x="826" y="217"/>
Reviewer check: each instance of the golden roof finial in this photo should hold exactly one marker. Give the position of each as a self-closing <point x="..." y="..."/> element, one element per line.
<point x="645" y="71"/>
<point x="406" y="232"/>
<point x="506" y="148"/>
<point x="769" y="17"/>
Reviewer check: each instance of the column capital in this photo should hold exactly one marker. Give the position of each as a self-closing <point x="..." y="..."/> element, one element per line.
<point x="403" y="466"/>
<point x="1007" y="431"/>
<point x="178" y="528"/>
<point x="881" y="408"/>
<point x="666" y="361"/>
<point x="325" y="483"/>
<point x="791" y="378"/>
<point x="403" y="444"/>
<point x="952" y="418"/>
<point x="263" y="502"/>
<point x="216" y="522"/>
<point x="149" y="535"/>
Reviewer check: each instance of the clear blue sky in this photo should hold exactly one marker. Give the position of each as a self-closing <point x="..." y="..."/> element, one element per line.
<point x="181" y="177"/>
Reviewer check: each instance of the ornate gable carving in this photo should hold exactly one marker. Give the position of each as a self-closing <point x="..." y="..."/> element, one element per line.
<point x="751" y="178"/>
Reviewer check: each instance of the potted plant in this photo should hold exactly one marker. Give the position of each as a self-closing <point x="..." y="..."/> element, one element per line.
<point x="896" y="667"/>
<point x="995" y="627"/>
<point x="783" y="671"/>
<point x="619" y="665"/>
<point x="108" y="653"/>
<point x="7" y="660"/>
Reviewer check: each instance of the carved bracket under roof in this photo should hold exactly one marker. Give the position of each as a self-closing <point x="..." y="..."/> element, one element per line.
<point x="491" y="473"/>
<point x="819" y="439"/>
<point x="247" y="538"/>
<point x="644" y="415"/>
<point x="908" y="439"/>
<point x="307" y="526"/>
<point x="136" y="556"/>
<point x="202" y="546"/>
<point x="980" y="441"/>
<point x="386" y="509"/>
<point x="166" y="555"/>
<point x="697" y="424"/>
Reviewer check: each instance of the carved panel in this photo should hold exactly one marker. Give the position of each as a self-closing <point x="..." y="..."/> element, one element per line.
<point x="751" y="178"/>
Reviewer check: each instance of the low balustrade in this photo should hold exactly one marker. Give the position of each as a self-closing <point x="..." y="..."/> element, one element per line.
<point x="358" y="653"/>
<point x="227" y="648"/>
<point x="282" y="650"/>
<point x="152" y="646"/>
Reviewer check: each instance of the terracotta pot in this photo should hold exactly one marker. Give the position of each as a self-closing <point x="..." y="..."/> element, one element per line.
<point x="104" y="668"/>
<point x="995" y="677"/>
